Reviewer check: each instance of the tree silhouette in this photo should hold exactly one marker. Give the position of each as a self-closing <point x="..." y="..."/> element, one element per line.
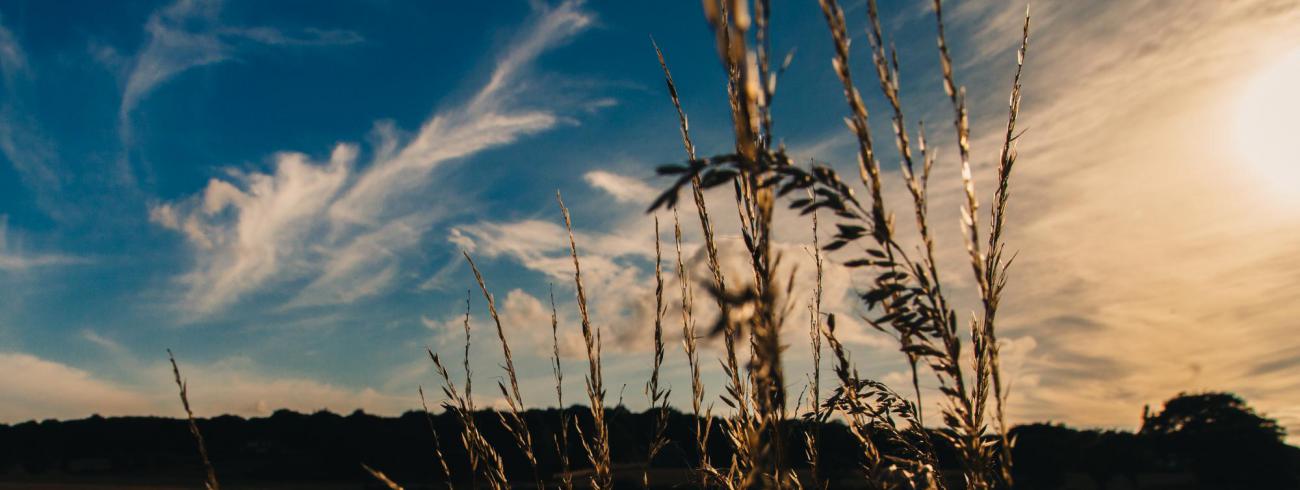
<point x="1210" y="414"/>
<point x="1223" y="441"/>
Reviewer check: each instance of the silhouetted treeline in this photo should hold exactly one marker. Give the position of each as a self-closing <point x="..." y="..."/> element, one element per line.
<point x="1197" y="441"/>
<point x="1213" y="438"/>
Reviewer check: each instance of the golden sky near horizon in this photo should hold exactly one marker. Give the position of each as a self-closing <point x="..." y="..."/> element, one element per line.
<point x="1160" y="207"/>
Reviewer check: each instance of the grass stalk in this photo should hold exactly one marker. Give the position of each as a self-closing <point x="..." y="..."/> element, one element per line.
<point x="702" y="417"/>
<point x="210" y="475"/>
<point x="437" y="443"/>
<point x="482" y="457"/>
<point x="813" y="433"/>
<point x="757" y="436"/>
<point x="598" y="446"/>
<point x="562" y="438"/>
<point x="731" y="365"/>
<point x="658" y="397"/>
<point x="513" y="420"/>
<point x="381" y="477"/>
<point x="994" y="267"/>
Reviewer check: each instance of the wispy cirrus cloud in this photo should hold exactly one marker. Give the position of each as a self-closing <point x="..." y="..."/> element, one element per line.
<point x="172" y="48"/>
<point x="29" y="150"/>
<point x="190" y="33"/>
<point x="308" y="37"/>
<point x="366" y="265"/>
<point x="14" y="258"/>
<point x="251" y="229"/>
<point x="490" y="118"/>
<point x="22" y="141"/>
<point x="17" y="262"/>
<point x="12" y="58"/>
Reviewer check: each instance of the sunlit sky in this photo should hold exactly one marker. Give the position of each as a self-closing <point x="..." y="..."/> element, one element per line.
<point x="280" y="192"/>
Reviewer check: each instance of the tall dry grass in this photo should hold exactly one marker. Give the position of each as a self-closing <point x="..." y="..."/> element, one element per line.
<point x="484" y="462"/>
<point x="210" y="480"/>
<point x="904" y="295"/>
<point x="703" y="417"/>
<point x="381" y="477"/>
<point x="812" y="433"/>
<point x="562" y="438"/>
<point x="513" y="420"/>
<point x="597" y="446"/>
<point x="437" y="442"/>
<point x="656" y="394"/>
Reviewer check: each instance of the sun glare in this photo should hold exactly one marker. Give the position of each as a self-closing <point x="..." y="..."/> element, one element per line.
<point x="1267" y="126"/>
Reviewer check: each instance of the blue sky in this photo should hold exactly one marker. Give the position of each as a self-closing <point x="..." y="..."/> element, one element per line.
<point x="281" y="192"/>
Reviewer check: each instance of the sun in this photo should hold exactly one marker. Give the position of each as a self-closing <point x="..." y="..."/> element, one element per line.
<point x="1267" y="125"/>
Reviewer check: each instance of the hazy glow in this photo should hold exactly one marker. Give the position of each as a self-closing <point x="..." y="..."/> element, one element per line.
<point x="1268" y="124"/>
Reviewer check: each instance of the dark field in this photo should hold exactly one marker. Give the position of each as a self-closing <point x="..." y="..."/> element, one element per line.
<point x="289" y="450"/>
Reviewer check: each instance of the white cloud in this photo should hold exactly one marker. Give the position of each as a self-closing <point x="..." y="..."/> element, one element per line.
<point x="309" y="37"/>
<point x="28" y="150"/>
<point x="189" y="34"/>
<point x="459" y="239"/>
<point x="365" y="266"/>
<point x="621" y="290"/>
<point x="251" y="229"/>
<point x="621" y="187"/>
<point x="245" y="234"/>
<point x="14" y="258"/>
<point x="49" y="389"/>
<point x="172" y="48"/>
<point x="21" y="140"/>
<point x="9" y="262"/>
<point x="12" y="58"/>
<point x="527" y="323"/>
<point x="618" y="290"/>
<point x="102" y="342"/>
<point x="488" y="119"/>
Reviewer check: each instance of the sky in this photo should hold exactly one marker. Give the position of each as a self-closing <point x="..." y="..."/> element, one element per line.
<point x="281" y="193"/>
